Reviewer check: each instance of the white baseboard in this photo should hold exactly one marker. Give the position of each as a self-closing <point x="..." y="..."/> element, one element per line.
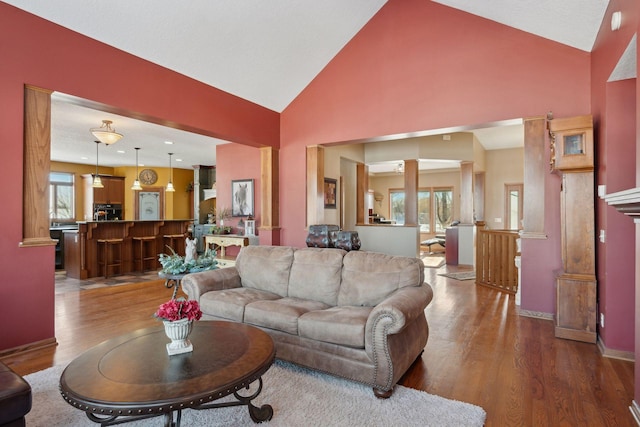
<point x="629" y="356"/>
<point x="535" y="314"/>
<point x="635" y="411"/>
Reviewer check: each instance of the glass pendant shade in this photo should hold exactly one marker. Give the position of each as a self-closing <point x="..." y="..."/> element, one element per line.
<point x="97" y="182"/>
<point x="170" y="188"/>
<point x="136" y="183"/>
<point x="106" y="134"/>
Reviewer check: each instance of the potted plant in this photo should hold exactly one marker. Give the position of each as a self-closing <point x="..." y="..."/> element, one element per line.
<point x="222" y="214"/>
<point x="221" y="229"/>
<point x="175" y="264"/>
<point x="177" y="316"/>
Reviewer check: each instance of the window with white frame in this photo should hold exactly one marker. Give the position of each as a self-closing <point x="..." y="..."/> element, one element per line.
<point x="435" y="208"/>
<point x="61" y="200"/>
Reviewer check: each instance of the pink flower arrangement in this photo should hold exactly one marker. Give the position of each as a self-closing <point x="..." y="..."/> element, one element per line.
<point x="176" y="309"/>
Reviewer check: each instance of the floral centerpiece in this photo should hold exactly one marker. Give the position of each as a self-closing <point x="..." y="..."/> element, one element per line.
<point x="178" y="316"/>
<point x="178" y="309"/>
<point x="176" y="264"/>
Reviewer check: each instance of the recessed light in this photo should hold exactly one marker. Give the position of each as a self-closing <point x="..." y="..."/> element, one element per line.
<point x="121" y="151"/>
<point x="169" y="142"/>
<point x="84" y="158"/>
<point x="178" y="160"/>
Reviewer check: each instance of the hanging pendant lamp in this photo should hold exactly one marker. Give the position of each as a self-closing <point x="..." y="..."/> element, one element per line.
<point x="105" y="133"/>
<point x="136" y="183"/>
<point x="170" y="188"/>
<point x="97" y="182"/>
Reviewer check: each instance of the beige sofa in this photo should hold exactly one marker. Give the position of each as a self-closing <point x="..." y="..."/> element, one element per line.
<point x="358" y="315"/>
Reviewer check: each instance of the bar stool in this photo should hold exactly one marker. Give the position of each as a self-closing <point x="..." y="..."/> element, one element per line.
<point x="146" y="251"/>
<point x="107" y="258"/>
<point x="170" y="240"/>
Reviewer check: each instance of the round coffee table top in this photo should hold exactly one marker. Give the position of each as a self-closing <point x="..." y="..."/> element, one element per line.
<point x="133" y="375"/>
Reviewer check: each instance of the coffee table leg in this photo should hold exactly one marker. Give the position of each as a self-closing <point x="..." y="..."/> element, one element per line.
<point x="168" y="419"/>
<point x="258" y="415"/>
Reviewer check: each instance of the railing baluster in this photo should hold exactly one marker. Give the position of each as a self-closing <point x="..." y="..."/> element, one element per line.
<point x="495" y="254"/>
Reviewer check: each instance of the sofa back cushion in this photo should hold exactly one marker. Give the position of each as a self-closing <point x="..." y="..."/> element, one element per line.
<point x="316" y="274"/>
<point x="370" y="277"/>
<point x="265" y="268"/>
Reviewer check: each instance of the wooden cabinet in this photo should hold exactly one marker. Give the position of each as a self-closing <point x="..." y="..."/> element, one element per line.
<point x="576" y="316"/>
<point x="112" y="193"/>
<point x="451" y="246"/>
<point x="57" y="235"/>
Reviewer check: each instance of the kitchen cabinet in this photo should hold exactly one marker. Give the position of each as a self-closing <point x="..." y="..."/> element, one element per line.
<point x="56" y="234"/>
<point x="112" y="193"/>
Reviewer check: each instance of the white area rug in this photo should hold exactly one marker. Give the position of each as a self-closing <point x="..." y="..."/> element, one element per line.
<point x="434" y="261"/>
<point x="298" y="396"/>
<point x="462" y="275"/>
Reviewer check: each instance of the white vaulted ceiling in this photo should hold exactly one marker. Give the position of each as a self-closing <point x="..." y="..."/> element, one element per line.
<point x="268" y="51"/>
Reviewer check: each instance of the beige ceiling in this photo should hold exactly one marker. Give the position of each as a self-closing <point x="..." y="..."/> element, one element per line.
<point x="263" y="51"/>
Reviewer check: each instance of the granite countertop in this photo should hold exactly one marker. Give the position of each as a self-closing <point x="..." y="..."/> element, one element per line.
<point x="64" y="227"/>
<point x="111" y="221"/>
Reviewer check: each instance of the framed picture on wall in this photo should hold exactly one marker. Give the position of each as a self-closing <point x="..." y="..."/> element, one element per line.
<point x="330" y="186"/>
<point x="242" y="197"/>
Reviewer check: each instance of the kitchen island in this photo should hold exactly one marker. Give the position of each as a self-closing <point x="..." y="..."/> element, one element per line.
<point x="81" y="245"/>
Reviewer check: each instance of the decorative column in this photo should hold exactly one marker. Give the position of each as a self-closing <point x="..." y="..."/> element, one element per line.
<point x="37" y="157"/>
<point x="315" y="185"/>
<point x="269" y="196"/>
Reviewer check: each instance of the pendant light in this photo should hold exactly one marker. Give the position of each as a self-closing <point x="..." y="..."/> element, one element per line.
<point x="170" y="188"/>
<point x="136" y="183"/>
<point x="105" y="133"/>
<point x="97" y="182"/>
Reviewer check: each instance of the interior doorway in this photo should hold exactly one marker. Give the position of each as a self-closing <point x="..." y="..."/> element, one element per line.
<point x="513" y="194"/>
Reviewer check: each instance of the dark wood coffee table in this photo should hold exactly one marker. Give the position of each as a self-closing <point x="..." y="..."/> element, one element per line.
<point x="132" y="377"/>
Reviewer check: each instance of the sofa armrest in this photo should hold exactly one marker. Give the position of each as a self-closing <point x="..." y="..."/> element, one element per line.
<point x="396" y="332"/>
<point x="197" y="284"/>
<point x="399" y="309"/>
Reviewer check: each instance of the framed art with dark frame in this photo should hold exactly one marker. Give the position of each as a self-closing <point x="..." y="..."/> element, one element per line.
<point x="330" y="185"/>
<point x="242" y="197"/>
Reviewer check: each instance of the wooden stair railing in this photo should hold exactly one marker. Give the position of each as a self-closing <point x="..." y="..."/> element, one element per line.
<point x="495" y="259"/>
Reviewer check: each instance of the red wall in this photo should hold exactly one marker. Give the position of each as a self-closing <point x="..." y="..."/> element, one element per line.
<point x="612" y="134"/>
<point x="43" y="54"/>
<point x="235" y="161"/>
<point x="418" y="65"/>
<point x="615" y="257"/>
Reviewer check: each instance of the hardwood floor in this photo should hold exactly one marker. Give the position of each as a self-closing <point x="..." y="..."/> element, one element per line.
<point x="479" y="351"/>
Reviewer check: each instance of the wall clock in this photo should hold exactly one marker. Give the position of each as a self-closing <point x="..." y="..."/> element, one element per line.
<point x="148" y="177"/>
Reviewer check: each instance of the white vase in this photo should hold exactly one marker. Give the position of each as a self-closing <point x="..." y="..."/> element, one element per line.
<point x="178" y="331"/>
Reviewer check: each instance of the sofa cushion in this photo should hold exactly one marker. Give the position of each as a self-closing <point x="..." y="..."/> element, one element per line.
<point x="336" y="325"/>
<point x="230" y="303"/>
<point x="316" y="274"/>
<point x="281" y="314"/>
<point x="369" y="277"/>
<point x="265" y="267"/>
